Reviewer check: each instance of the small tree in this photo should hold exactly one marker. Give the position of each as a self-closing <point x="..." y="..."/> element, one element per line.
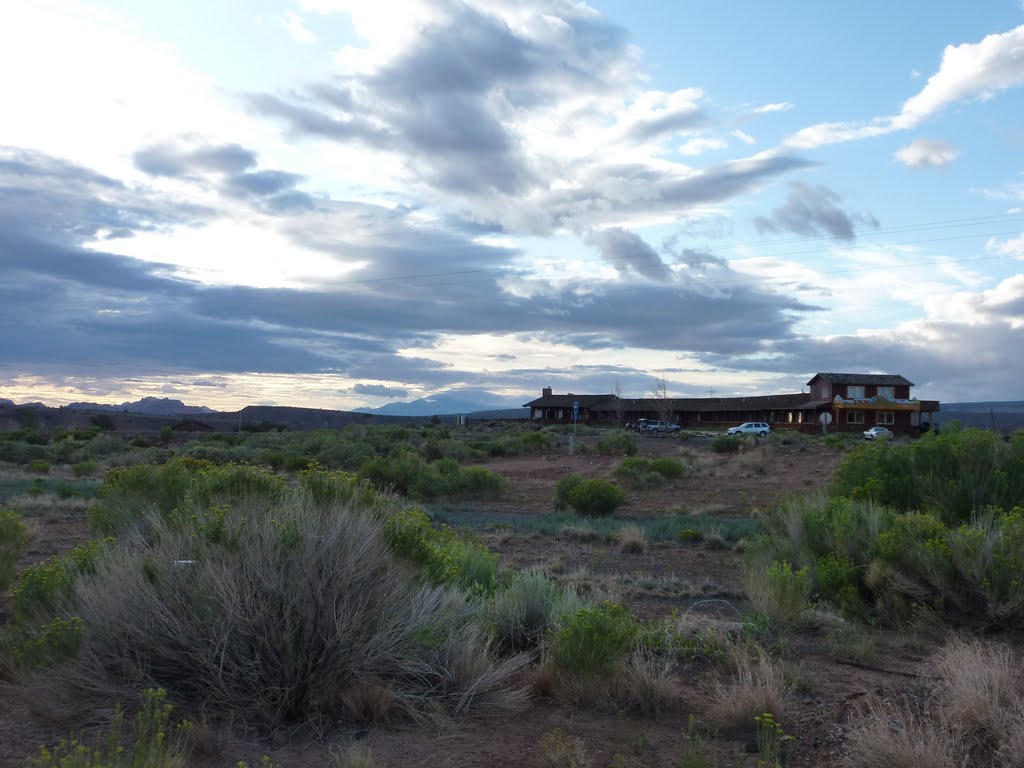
<point x="662" y="401"/>
<point x="619" y="404"/>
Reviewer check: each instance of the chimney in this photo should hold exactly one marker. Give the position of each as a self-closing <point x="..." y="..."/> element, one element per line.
<point x="546" y="392"/>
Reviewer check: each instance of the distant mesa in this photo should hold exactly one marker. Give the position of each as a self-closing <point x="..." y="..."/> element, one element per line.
<point x="151" y="406"/>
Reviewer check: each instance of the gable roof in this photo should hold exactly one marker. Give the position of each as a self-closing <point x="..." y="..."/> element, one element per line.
<point x="862" y="379"/>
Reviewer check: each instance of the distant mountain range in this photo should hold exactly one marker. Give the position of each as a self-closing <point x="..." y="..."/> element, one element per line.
<point x="447" y="404"/>
<point x="152" y="406"/>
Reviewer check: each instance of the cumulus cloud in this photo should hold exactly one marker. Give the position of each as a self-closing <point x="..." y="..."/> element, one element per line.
<point x="1013" y="247"/>
<point x="968" y="71"/>
<point x="743" y="136"/>
<point x="812" y="210"/>
<point x="926" y="153"/>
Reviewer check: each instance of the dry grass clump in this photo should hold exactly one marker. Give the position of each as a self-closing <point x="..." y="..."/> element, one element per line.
<point x="758" y="686"/>
<point x="974" y="717"/>
<point x="894" y="736"/>
<point x="977" y="687"/>
<point x="352" y="756"/>
<point x="581" y="532"/>
<point x="632" y="539"/>
<point x="647" y="681"/>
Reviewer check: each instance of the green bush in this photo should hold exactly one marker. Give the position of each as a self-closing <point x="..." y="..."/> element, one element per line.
<point x="524" y="610"/>
<point x="39" y="466"/>
<point x="838" y="582"/>
<point x="618" y="442"/>
<point x="444" y="557"/>
<point x="43" y="645"/>
<point x="726" y="444"/>
<point x="951" y="476"/>
<point x="781" y="594"/>
<point x="13" y="538"/>
<point x="155" y="743"/>
<point x="596" y="498"/>
<point x="87" y="468"/>
<point x="668" y="468"/>
<point x="594" y="640"/>
<point x="40" y="588"/>
<point x="478" y="482"/>
<point x="564" y="488"/>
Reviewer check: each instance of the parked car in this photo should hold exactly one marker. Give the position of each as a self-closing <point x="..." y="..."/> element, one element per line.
<point x="651" y="425"/>
<point x="759" y="428"/>
<point x="877" y="432"/>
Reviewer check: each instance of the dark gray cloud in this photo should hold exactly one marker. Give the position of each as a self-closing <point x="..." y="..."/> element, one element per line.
<point x="377" y="390"/>
<point x="629" y="254"/>
<point x="183" y="161"/>
<point x="812" y="210"/>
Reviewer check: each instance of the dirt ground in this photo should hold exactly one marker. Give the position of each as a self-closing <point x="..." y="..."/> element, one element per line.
<point x="667" y="577"/>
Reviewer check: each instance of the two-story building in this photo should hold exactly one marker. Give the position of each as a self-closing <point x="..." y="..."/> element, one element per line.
<point x="859" y="401"/>
<point x="854" y="401"/>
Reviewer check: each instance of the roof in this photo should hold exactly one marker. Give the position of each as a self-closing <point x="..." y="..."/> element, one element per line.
<point x="868" y="379"/>
<point x="710" y="404"/>
<point x="566" y="401"/>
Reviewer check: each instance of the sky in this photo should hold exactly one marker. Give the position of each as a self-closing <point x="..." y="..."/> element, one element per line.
<point x="338" y="203"/>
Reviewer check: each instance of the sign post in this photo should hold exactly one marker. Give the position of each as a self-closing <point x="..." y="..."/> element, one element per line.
<point x="575" y="418"/>
<point x="825" y="419"/>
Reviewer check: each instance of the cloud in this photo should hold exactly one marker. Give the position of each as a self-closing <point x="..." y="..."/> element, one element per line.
<point x="1013" y="247"/>
<point x="926" y="153"/>
<point x="378" y="390"/>
<point x="811" y="210"/>
<point x="537" y="122"/>
<point x="968" y="71"/>
<point x="782" y="106"/>
<point x="180" y="161"/>
<point x="746" y="138"/>
<point x="628" y="253"/>
<point x="700" y="146"/>
<point x="293" y="24"/>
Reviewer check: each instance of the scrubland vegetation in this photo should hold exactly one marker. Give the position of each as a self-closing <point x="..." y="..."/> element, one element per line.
<point x="328" y="584"/>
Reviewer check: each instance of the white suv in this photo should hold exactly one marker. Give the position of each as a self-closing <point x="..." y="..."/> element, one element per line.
<point x="649" y="425"/>
<point x="758" y="428"/>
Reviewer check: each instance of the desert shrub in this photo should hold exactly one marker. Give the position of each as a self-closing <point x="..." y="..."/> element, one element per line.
<point x="524" y="610"/>
<point x="837" y="581"/>
<point x="779" y="593"/>
<point x="893" y="735"/>
<point x="668" y="468"/>
<point x="637" y="472"/>
<point x="596" y="498"/>
<point x="154" y="744"/>
<point x="443" y="556"/>
<point x="617" y="442"/>
<point x="564" y="488"/>
<point x="952" y="476"/>
<point x="41" y="588"/>
<point x="39" y="466"/>
<point x="87" y="468"/>
<point x="13" y="538"/>
<point x="190" y="612"/>
<point x="184" y="484"/>
<point x="477" y="482"/>
<point x="594" y="640"/>
<point x="690" y="535"/>
<point x="726" y="444"/>
<point x="31" y="647"/>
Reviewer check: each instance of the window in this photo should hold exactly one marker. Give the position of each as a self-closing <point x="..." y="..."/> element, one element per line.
<point x="887" y="393"/>
<point x="887" y="417"/>
<point x="854" y="417"/>
<point x="855" y="393"/>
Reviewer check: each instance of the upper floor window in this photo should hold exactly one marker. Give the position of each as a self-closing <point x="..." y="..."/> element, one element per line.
<point x="855" y="393"/>
<point x="887" y="393"/>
